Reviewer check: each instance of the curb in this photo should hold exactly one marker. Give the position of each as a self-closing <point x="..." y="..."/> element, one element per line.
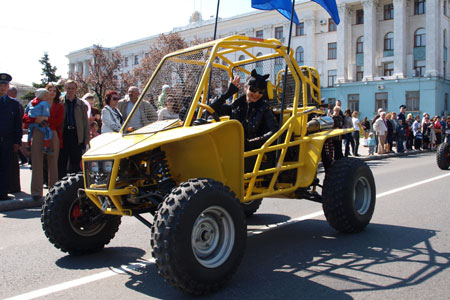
<point x="28" y="202"/>
<point x="19" y="203"/>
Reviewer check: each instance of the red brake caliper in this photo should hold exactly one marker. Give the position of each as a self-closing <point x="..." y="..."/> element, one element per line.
<point x="76" y="212"/>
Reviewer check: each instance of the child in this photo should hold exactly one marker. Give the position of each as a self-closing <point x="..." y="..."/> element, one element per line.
<point x="371" y="143"/>
<point x="39" y="107"/>
<point x="94" y="129"/>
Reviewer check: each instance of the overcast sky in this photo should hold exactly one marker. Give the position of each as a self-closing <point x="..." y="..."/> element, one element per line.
<point x="31" y="27"/>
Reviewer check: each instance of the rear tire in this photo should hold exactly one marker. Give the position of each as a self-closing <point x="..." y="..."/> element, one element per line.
<point x="74" y="224"/>
<point x="443" y="156"/>
<point x="198" y="237"/>
<point x="349" y="195"/>
<point x="251" y="207"/>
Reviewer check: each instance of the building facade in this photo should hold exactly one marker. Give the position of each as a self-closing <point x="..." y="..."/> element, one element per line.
<point x="384" y="53"/>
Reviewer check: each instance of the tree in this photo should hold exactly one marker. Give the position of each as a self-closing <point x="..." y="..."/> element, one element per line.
<point x="103" y="74"/>
<point x="48" y="71"/>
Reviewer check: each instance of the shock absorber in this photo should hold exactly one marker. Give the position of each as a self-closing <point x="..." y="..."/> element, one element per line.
<point x="160" y="172"/>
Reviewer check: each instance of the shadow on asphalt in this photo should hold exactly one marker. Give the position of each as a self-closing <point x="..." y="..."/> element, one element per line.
<point x="266" y="219"/>
<point x="26" y="213"/>
<point x="292" y="262"/>
<point x="112" y="257"/>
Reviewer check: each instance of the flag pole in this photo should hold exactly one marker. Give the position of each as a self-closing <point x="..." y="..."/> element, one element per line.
<point x="285" y="78"/>
<point x="217" y="17"/>
<point x="214" y="37"/>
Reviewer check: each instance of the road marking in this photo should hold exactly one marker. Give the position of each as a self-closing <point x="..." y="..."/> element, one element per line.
<point x="133" y="266"/>
<point x="81" y="281"/>
<point x="409" y="186"/>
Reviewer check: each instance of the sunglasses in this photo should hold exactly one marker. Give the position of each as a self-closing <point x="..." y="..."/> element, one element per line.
<point x="115" y="98"/>
<point x="256" y="90"/>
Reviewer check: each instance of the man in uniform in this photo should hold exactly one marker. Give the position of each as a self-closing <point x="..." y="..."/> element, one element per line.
<point x="10" y="133"/>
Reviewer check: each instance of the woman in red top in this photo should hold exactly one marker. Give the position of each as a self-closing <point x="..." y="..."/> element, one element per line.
<point x="438" y="129"/>
<point x="55" y="123"/>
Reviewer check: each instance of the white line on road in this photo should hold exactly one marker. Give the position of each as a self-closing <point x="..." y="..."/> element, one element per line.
<point x="123" y="269"/>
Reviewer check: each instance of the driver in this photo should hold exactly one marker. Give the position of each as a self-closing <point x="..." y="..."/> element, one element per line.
<point x="251" y="109"/>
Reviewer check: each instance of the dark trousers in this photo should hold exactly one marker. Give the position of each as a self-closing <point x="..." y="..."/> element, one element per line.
<point x="355" y="135"/>
<point x="70" y="155"/>
<point x="349" y="141"/>
<point x="6" y="155"/>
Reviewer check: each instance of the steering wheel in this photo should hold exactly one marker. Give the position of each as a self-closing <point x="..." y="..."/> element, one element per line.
<point x="210" y="110"/>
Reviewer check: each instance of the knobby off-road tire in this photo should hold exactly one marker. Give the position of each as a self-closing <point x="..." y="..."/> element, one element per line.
<point x="443" y="156"/>
<point x="198" y="237"/>
<point x="74" y="224"/>
<point x="348" y="195"/>
<point x="251" y="207"/>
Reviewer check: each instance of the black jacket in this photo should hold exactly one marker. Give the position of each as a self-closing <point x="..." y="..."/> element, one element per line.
<point x="257" y="118"/>
<point x="11" y="121"/>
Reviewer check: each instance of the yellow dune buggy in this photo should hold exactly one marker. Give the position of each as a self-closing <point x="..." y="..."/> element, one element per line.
<point x="189" y="170"/>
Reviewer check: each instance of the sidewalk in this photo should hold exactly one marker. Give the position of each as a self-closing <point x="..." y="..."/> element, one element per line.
<point x="24" y="200"/>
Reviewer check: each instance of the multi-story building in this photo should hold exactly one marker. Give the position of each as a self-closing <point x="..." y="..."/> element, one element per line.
<point x="384" y="53"/>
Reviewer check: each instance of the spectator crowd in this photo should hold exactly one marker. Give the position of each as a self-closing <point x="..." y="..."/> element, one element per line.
<point x="59" y="126"/>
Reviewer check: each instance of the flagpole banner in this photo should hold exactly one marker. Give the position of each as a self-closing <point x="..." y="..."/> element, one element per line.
<point x="284" y="7"/>
<point x="331" y="7"/>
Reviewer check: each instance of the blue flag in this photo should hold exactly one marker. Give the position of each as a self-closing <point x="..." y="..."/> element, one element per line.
<point x="331" y="8"/>
<point x="284" y="7"/>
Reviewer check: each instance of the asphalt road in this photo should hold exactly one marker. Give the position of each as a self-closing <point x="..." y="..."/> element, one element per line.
<point x="292" y="252"/>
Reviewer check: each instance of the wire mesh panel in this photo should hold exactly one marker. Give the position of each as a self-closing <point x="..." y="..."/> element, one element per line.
<point x="182" y="74"/>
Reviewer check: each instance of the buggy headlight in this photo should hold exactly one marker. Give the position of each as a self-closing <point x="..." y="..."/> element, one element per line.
<point x="98" y="174"/>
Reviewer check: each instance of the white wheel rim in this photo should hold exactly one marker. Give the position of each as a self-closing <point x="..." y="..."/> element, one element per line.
<point x="212" y="237"/>
<point x="362" y="195"/>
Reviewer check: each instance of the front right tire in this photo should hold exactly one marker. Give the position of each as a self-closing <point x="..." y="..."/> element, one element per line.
<point x="74" y="224"/>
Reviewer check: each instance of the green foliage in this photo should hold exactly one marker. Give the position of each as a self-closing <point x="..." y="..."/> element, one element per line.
<point x="28" y="96"/>
<point x="48" y="71"/>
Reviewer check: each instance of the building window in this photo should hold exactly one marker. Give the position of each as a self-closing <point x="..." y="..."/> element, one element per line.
<point x="332" y="50"/>
<point x="279" y="33"/>
<point x="389" y="11"/>
<point x="331" y="25"/>
<point x="445" y="8"/>
<point x="419" y="7"/>
<point x="353" y="102"/>
<point x="300" y="55"/>
<point x="419" y="67"/>
<point x="259" y="64"/>
<point x="136" y="59"/>
<point x="300" y="29"/>
<point x="381" y="101"/>
<point x="360" y="45"/>
<point x="446" y="103"/>
<point x="126" y="62"/>
<point x="389" y="41"/>
<point x="359" y="16"/>
<point x="388" y="69"/>
<point x="331" y="77"/>
<point x="413" y="101"/>
<point x="260" y="34"/>
<point x="359" y="73"/>
<point x="419" y="38"/>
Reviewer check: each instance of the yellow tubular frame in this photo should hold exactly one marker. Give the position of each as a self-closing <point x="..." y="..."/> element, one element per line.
<point x="245" y="185"/>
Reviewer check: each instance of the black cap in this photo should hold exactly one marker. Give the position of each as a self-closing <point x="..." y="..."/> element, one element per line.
<point x="403" y="105"/>
<point x="257" y="81"/>
<point x="5" y="78"/>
